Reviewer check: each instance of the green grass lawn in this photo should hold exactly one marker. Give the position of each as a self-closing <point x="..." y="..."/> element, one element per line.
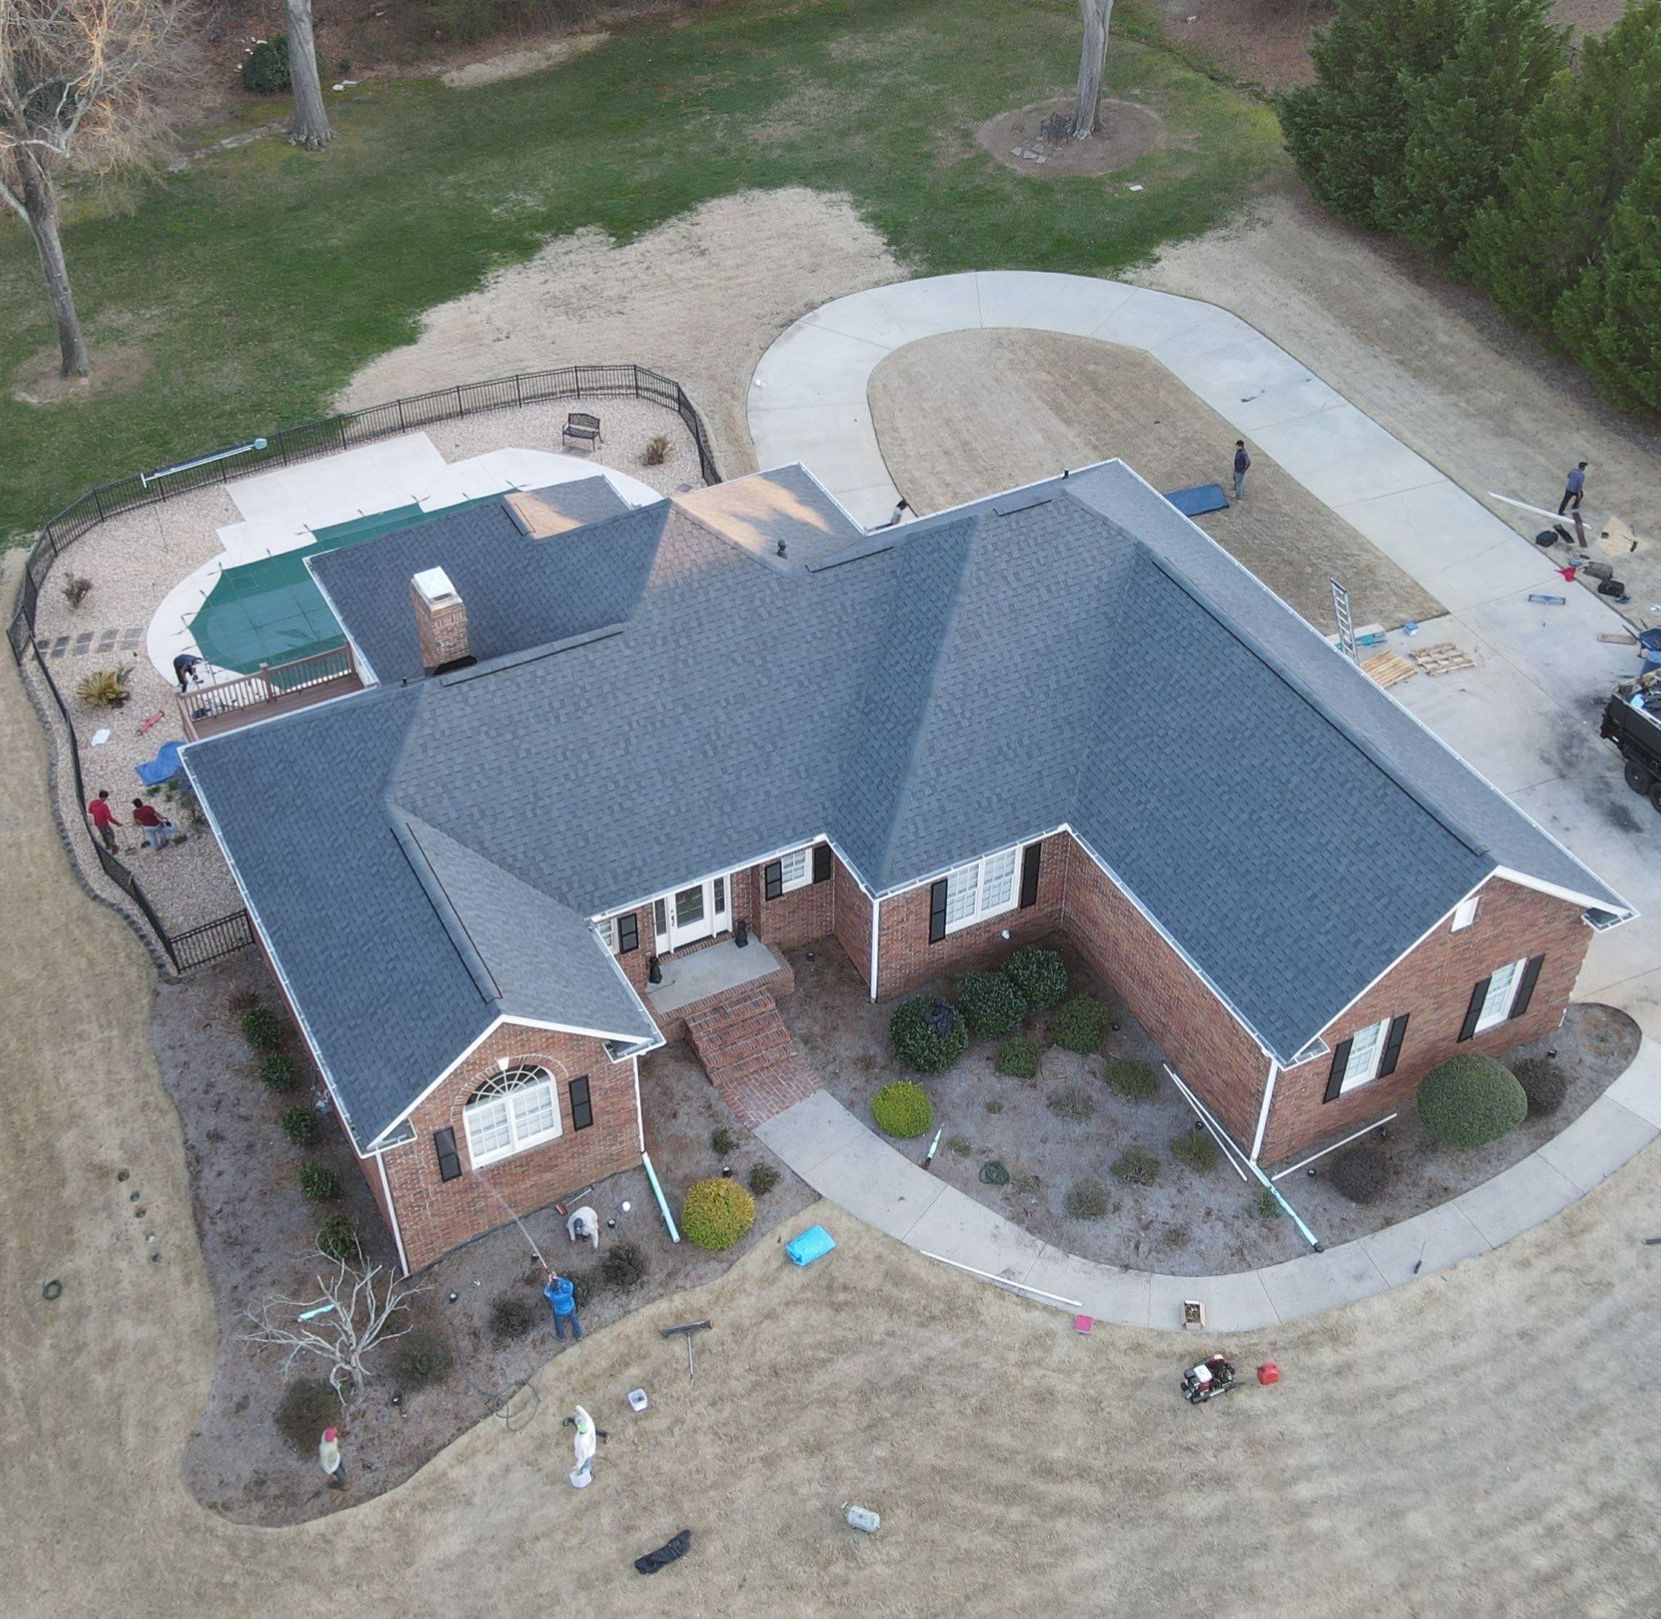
<point x="258" y="281"/>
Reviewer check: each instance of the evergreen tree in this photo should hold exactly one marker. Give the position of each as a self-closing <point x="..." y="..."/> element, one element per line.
<point x="1581" y="147"/>
<point x="1347" y="132"/>
<point x="1611" y="320"/>
<point x="1464" y="120"/>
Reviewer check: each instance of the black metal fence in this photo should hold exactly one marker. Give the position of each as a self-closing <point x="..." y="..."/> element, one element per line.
<point x="224" y="936"/>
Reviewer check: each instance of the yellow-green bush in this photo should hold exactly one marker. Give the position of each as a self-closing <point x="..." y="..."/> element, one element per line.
<point x="902" y="1109"/>
<point x="717" y="1212"/>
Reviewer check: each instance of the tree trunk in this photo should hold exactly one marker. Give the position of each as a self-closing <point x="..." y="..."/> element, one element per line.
<point x="40" y="202"/>
<point x="1087" y="109"/>
<point x="311" y="122"/>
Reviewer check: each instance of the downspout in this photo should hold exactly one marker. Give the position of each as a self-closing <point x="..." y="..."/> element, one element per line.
<point x="876" y="907"/>
<point x="639" y="1117"/>
<point x="1263" y="1112"/>
<point x="662" y="1201"/>
<point x="392" y="1211"/>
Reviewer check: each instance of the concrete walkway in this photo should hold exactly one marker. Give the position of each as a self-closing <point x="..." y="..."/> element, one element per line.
<point x="1525" y="715"/>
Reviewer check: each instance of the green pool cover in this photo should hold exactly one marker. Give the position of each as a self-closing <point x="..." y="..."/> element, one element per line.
<point x="270" y="611"/>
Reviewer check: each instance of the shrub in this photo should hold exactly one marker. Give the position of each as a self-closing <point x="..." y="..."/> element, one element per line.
<point x="657" y="450"/>
<point x="1072" y="1102"/>
<point x="928" y="1033"/>
<point x="1137" y="1080"/>
<point x="1019" y="1056"/>
<point x="76" y="589"/>
<point x="422" y="1357"/>
<point x="1078" y="1024"/>
<point x="994" y="1105"/>
<point x="902" y="1109"/>
<point x="959" y="1146"/>
<point x="1543" y="1083"/>
<point x="622" y="1266"/>
<point x="277" y="1070"/>
<point x="265" y="68"/>
<point x="761" y="1179"/>
<point x="261" y="1029"/>
<point x="1087" y="1200"/>
<point x="1196" y="1149"/>
<point x="717" y="1212"/>
<point x="722" y="1141"/>
<point x="1136" y="1166"/>
<point x="1471" y="1100"/>
<point x="338" y="1238"/>
<point x="299" y="1124"/>
<point x="307" y="1407"/>
<point x="582" y="1286"/>
<point x="1362" y="1173"/>
<point x="104" y="688"/>
<point x="317" y="1182"/>
<point x="511" y="1317"/>
<point x="1039" y="977"/>
<point x="991" y="1005"/>
<point x="1268" y="1205"/>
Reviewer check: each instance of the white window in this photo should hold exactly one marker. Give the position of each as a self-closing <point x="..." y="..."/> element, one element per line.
<point x="981" y="889"/>
<point x="608" y="932"/>
<point x="1464" y="914"/>
<point x="795" y="869"/>
<point x="516" y="1110"/>
<point x="1502" y="991"/>
<point x="1366" y="1049"/>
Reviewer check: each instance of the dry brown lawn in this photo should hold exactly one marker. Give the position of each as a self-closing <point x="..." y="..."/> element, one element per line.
<point x="1481" y="1443"/>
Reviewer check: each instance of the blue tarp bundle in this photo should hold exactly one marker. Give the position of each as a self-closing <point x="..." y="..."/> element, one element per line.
<point x="165" y="765"/>
<point x="814" y="1243"/>
<point x="1202" y="498"/>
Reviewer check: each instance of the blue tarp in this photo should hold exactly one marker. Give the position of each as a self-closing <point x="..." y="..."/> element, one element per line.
<point x="814" y="1243"/>
<point x="165" y="765"/>
<point x="1202" y="498"/>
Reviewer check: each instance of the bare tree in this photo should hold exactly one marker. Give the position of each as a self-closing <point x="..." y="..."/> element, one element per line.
<point x="1087" y="108"/>
<point x="311" y="122"/>
<point x="351" y="1314"/>
<point x="79" y="82"/>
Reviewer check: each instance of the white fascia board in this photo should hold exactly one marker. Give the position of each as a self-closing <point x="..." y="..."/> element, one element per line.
<point x="1621" y="909"/>
<point x="969" y="860"/>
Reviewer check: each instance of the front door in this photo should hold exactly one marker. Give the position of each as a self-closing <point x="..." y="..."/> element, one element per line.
<point x="691" y="914"/>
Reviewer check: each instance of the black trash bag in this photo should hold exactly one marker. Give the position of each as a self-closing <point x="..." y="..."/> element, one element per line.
<point x="1611" y="587"/>
<point x="671" y="1551"/>
<point x="1546" y="536"/>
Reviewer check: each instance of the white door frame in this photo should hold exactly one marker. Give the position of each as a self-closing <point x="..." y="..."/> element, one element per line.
<point x="715" y="920"/>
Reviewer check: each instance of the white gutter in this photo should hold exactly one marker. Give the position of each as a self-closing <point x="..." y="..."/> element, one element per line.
<point x="1263" y="1112"/>
<point x="876" y="907"/>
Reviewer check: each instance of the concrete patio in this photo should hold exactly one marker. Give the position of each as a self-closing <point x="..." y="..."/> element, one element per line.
<point x="695" y="975"/>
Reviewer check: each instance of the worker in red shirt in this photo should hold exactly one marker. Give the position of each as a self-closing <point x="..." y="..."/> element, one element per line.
<point x="103" y="817"/>
<point x="150" y="824"/>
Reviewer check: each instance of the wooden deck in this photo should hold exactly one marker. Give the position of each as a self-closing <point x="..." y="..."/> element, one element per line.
<point x="276" y="689"/>
<point x="234" y="719"/>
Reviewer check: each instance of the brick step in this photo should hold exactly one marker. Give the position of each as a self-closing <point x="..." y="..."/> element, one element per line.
<point x="730" y="1075"/>
<point x="751" y="1057"/>
<point x="731" y="1045"/>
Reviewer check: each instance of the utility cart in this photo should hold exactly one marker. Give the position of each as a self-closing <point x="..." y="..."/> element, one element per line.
<point x="1632" y="722"/>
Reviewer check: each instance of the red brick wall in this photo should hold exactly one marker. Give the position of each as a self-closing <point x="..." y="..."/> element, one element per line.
<point x="435" y="1215"/>
<point x="853" y="920"/>
<point x="1214" y="1055"/>
<point x="906" y="958"/>
<point x="1433" y="987"/>
<point x="796" y="918"/>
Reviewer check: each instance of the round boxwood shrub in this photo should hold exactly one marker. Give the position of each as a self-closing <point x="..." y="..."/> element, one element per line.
<point x="1544" y="1084"/>
<point x="929" y="1034"/>
<point x="717" y="1212"/>
<point x="1137" y="1080"/>
<point x="1362" y="1173"/>
<point x="277" y="1070"/>
<point x="622" y="1266"/>
<point x="265" y="69"/>
<point x="991" y="1005"/>
<point x="307" y="1407"/>
<point x="422" y="1357"/>
<point x="902" y="1109"/>
<point x="1196" y="1148"/>
<point x="1087" y="1200"/>
<point x="1471" y="1100"/>
<point x="317" y="1181"/>
<point x="338" y="1238"/>
<point x="1039" y="977"/>
<point x="299" y="1124"/>
<point x="511" y="1317"/>
<point x="1135" y="1166"/>
<point x="1078" y="1024"/>
<point x="261" y="1029"/>
<point x="1019" y="1056"/>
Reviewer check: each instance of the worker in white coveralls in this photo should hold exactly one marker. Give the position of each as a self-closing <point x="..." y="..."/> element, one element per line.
<point x="584" y="1226"/>
<point x="584" y="1443"/>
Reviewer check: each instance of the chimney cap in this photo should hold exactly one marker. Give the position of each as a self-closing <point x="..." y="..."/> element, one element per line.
<point x="434" y="584"/>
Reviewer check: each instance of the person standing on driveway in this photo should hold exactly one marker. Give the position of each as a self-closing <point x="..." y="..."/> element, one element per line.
<point x="103" y="817"/>
<point x="1574" y="486"/>
<point x="1242" y="465"/>
<point x="562" y="1299"/>
<point x="150" y="824"/>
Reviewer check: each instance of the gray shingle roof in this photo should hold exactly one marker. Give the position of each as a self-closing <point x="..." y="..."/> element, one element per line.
<point x="1076" y="653"/>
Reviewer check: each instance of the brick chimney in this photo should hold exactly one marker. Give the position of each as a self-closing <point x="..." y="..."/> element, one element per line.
<point x="440" y="620"/>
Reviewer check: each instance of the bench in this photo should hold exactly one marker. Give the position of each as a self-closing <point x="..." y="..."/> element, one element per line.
<point x="582" y="427"/>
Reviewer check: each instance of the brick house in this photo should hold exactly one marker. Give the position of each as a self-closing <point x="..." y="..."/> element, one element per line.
<point x="597" y="754"/>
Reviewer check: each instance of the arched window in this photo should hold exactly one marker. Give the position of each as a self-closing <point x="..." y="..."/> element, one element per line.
<point x="515" y="1110"/>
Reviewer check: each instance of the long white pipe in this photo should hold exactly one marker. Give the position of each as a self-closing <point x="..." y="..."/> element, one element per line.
<point x="662" y="1201"/>
<point x="1003" y="1281"/>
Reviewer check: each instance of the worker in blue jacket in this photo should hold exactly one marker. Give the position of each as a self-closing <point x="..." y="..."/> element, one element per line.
<point x="561" y="1295"/>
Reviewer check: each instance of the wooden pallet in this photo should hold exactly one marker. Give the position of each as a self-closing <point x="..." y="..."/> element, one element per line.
<point x="1442" y="659"/>
<point x="1388" y="669"/>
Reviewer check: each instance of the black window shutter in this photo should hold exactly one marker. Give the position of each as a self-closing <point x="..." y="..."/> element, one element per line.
<point x="1392" y="1045"/>
<point x="772" y="879"/>
<point x="821" y="863"/>
<point x="628" y="933"/>
<point x="1030" y="857"/>
<point x="1525" y="990"/>
<point x="449" y="1160"/>
<point x="582" y="1108"/>
<point x="1340" y="1061"/>
<point x="937" y="911"/>
<point x="1474" y="1010"/>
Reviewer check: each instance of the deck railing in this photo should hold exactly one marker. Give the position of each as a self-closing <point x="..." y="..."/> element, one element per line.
<point x="271" y="683"/>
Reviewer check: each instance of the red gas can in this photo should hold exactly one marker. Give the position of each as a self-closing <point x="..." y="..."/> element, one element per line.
<point x="1268" y="1372"/>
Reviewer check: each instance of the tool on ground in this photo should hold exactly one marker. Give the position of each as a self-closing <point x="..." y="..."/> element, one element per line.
<point x="1548" y="601"/>
<point x="862" y="1518"/>
<point x="1214" y="1376"/>
<point x="638" y="1400"/>
<point x="1082" y="1323"/>
<point x="934" y="1147"/>
<point x="685" y="1330"/>
<point x="1268" y="1373"/>
<point x="1652" y="1242"/>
